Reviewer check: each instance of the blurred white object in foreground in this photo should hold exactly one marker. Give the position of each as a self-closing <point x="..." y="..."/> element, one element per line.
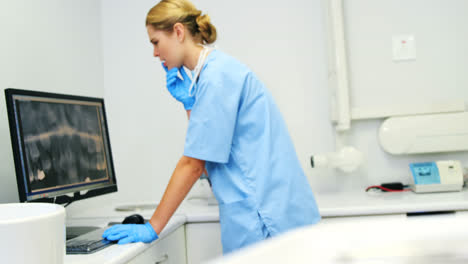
<point x="395" y="239"/>
<point x="32" y="233"/>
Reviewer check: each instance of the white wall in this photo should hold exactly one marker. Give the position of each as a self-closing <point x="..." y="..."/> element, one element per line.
<point x="284" y="43"/>
<point x="47" y="45"/>
<point x="439" y="71"/>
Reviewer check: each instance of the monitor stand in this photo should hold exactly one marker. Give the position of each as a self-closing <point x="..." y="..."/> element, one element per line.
<point x="74" y="231"/>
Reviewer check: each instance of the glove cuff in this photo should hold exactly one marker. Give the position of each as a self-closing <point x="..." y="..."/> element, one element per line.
<point x="150" y="228"/>
<point x="188" y="104"/>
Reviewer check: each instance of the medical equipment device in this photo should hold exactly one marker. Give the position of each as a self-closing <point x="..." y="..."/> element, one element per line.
<point x="439" y="176"/>
<point x="347" y="159"/>
<point x="425" y="133"/>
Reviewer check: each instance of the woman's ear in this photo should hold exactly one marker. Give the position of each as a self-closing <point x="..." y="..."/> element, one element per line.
<point x="179" y="30"/>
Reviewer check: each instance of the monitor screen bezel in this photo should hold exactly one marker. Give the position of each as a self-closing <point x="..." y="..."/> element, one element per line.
<point x="90" y="190"/>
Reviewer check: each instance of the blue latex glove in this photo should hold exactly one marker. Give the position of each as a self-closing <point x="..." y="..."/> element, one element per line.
<point x="130" y="233"/>
<point x="179" y="88"/>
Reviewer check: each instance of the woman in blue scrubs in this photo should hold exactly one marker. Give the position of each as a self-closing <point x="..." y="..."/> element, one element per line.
<point x="235" y="132"/>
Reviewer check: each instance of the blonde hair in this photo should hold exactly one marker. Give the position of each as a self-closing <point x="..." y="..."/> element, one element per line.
<point x="167" y="13"/>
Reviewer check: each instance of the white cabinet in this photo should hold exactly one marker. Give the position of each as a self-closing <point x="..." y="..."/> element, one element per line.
<point x="168" y="250"/>
<point x="203" y="242"/>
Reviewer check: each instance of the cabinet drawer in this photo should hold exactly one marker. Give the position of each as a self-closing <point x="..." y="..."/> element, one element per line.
<point x="203" y="242"/>
<point x="168" y="250"/>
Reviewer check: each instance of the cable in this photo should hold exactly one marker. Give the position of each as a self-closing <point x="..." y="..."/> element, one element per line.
<point x="386" y="189"/>
<point x="390" y="187"/>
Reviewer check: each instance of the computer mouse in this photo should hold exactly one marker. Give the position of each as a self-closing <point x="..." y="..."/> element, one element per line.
<point x="134" y="219"/>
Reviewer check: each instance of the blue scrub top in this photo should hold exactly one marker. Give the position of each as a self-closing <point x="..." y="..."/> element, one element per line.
<point x="236" y="127"/>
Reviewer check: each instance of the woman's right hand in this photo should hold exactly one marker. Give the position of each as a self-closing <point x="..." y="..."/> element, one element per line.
<point x="179" y="88"/>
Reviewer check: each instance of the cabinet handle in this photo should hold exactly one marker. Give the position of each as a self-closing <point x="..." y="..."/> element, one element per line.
<point x="164" y="258"/>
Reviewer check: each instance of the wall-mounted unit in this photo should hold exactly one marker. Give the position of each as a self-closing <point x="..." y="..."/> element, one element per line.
<point x="425" y="133"/>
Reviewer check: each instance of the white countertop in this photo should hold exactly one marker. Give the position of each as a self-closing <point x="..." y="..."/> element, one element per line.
<point x="190" y="211"/>
<point x="372" y="203"/>
<point x="330" y="205"/>
<point x="117" y="254"/>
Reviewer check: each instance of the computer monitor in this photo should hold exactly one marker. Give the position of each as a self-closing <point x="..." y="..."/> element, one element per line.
<point x="60" y="145"/>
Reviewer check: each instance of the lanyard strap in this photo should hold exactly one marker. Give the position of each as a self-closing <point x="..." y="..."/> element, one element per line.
<point x="198" y="68"/>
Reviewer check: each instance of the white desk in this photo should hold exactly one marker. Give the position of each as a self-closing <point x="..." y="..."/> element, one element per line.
<point x="330" y="205"/>
<point x="119" y="254"/>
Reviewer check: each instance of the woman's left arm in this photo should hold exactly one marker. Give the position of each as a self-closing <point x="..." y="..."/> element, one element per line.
<point x="186" y="173"/>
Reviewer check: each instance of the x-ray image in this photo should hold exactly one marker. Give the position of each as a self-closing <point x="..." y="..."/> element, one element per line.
<point x="63" y="144"/>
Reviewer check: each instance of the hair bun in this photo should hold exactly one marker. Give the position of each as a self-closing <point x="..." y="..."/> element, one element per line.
<point x="207" y="30"/>
<point x="202" y="20"/>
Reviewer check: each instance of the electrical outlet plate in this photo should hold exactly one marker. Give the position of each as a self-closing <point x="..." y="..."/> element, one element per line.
<point x="404" y="47"/>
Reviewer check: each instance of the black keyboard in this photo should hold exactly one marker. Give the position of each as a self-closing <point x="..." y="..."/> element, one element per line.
<point x="88" y="243"/>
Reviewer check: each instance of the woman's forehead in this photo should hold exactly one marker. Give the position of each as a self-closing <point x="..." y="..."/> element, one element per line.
<point x="156" y="33"/>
